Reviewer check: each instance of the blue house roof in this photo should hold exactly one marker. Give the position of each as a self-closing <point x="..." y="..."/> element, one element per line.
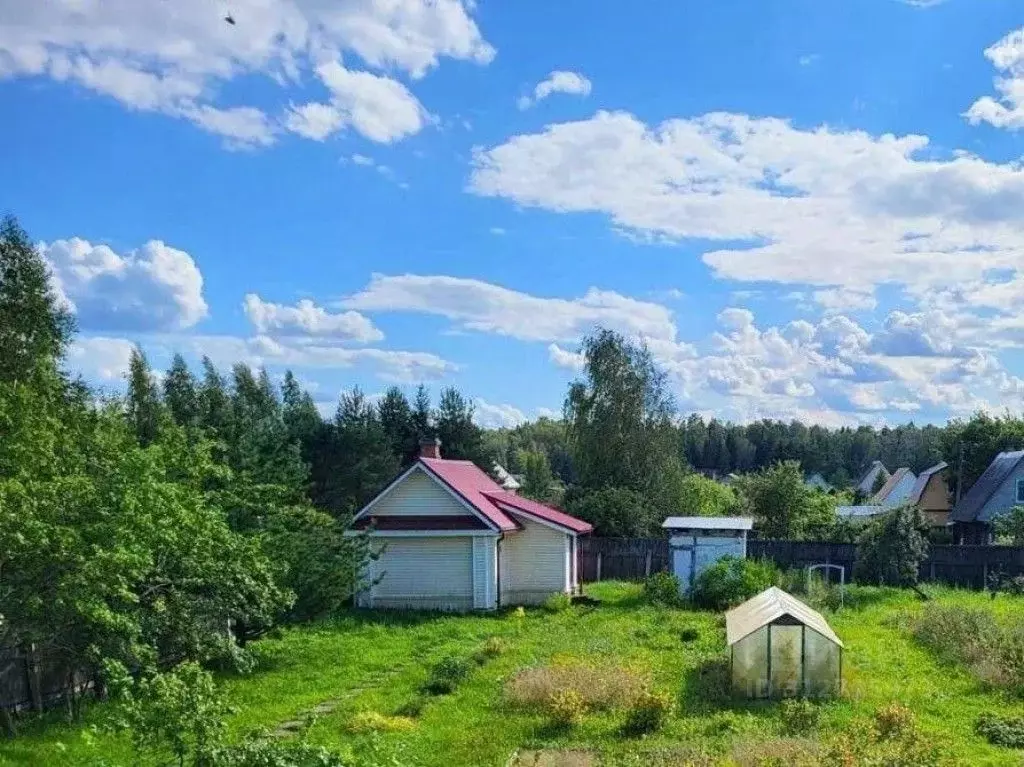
<point x="971" y="508"/>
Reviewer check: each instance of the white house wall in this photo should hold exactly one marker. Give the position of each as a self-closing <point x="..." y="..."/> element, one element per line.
<point x="421" y="496"/>
<point x="431" y="573"/>
<point x="534" y="563"/>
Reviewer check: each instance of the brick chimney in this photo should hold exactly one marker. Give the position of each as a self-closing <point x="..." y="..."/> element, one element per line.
<point x="430" y="448"/>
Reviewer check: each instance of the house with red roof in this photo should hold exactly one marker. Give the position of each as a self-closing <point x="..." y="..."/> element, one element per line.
<point x="454" y="539"/>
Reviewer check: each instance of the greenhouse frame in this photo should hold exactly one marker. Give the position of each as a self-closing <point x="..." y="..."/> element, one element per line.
<point x="780" y="647"/>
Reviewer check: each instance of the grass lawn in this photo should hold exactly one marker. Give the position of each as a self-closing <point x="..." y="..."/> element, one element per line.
<point x="378" y="662"/>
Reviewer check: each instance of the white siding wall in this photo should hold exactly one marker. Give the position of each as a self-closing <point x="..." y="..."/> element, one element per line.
<point x="484" y="572"/>
<point x="434" y="573"/>
<point x="534" y="564"/>
<point x="419" y="495"/>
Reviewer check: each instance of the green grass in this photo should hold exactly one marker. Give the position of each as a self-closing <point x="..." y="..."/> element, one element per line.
<point x="379" y="662"/>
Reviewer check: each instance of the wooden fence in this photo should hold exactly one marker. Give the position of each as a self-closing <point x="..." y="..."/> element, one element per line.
<point x="36" y="680"/>
<point x="636" y="558"/>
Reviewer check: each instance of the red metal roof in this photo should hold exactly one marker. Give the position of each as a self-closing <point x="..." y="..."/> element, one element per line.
<point x="541" y="511"/>
<point x="484" y="494"/>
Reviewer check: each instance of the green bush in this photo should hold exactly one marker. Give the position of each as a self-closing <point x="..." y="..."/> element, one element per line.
<point x="732" y="580"/>
<point x="490" y="649"/>
<point x="662" y="589"/>
<point x="558" y="603"/>
<point x="276" y="753"/>
<point x="895" y="722"/>
<point x="567" y="708"/>
<point x="689" y="634"/>
<point x="648" y="713"/>
<point x="1000" y="730"/>
<point x="447" y="674"/>
<point x="799" y="716"/>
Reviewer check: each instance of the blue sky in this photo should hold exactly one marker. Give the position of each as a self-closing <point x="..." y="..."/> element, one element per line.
<point x="807" y="210"/>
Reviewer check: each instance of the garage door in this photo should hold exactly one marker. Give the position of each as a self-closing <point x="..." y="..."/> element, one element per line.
<point x="425" y="573"/>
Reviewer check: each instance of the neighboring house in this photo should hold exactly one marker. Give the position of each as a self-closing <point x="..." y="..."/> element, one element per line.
<point x="931" y="495"/>
<point x="505" y="479"/>
<point x="866" y="484"/>
<point x="454" y="539"/>
<point x="998" y="489"/>
<point x="818" y="482"/>
<point x="896" y="490"/>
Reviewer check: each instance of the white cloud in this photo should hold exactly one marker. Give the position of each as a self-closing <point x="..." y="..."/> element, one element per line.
<point x="175" y="57"/>
<point x="824" y="207"/>
<point x="559" y="81"/>
<point x="155" y="287"/>
<point x="490" y="416"/>
<point x="308" y="319"/>
<point x="482" y="306"/>
<point x="807" y="59"/>
<point x="100" y="358"/>
<point x="564" y="358"/>
<point x="497" y="230"/>
<point x="845" y="299"/>
<point x="380" y="108"/>
<point x="307" y="352"/>
<point x="1007" y="110"/>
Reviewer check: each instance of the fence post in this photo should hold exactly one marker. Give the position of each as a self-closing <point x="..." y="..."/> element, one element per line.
<point x="931" y="571"/>
<point x="35" y="682"/>
<point x="598" y="566"/>
<point x="647" y="564"/>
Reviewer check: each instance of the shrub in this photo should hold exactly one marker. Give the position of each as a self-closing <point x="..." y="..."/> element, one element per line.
<point x="732" y="580"/>
<point x="895" y="722"/>
<point x="689" y="634"/>
<point x="648" y="713"/>
<point x="372" y="721"/>
<point x="1000" y="730"/>
<point x="557" y="603"/>
<point x="799" y="716"/>
<point x="567" y="708"/>
<point x="492" y="648"/>
<point x="601" y="688"/>
<point x="892" y="548"/>
<point x="411" y="709"/>
<point x="973" y="638"/>
<point x="447" y="674"/>
<point x="264" y="752"/>
<point x="662" y="589"/>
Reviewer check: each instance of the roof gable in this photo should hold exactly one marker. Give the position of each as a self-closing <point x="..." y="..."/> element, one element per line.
<point x="923" y="479"/>
<point x="767" y="607"/>
<point x="896" y="489"/>
<point x="867" y="480"/>
<point x="971" y="507"/>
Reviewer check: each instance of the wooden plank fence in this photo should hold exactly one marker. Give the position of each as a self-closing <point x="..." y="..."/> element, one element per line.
<point x="34" y="680"/>
<point x="636" y="558"/>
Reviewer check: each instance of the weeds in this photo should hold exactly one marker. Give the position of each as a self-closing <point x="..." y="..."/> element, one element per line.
<point x="648" y="713"/>
<point x="600" y="688"/>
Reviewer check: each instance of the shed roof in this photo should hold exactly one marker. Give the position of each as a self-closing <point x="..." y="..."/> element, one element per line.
<point x="708" y="523"/>
<point x="971" y="507"/>
<point x="540" y="510"/>
<point x="860" y="511"/>
<point x="922" y="481"/>
<point x="767" y="607"/>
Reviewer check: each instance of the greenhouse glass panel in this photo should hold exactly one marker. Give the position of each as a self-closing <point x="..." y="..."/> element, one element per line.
<point x="786" y="659"/>
<point x="822" y="668"/>
<point x="750" y="665"/>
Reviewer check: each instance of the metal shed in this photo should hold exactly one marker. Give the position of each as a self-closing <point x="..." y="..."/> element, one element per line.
<point x="697" y="543"/>
<point x="781" y="647"/>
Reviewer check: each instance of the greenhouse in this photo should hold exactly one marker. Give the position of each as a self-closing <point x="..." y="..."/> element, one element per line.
<point x="780" y="647"/>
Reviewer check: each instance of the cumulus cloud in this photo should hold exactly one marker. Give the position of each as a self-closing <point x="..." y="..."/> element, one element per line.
<point x="483" y="306"/>
<point x="308" y="319"/>
<point x="565" y="358"/>
<point x="490" y="416"/>
<point x="98" y="358"/>
<point x="559" y="81"/>
<point x="845" y="299"/>
<point x="175" y="57"/>
<point x="824" y="207"/>
<point x="1007" y="110"/>
<point x="155" y="287"/>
